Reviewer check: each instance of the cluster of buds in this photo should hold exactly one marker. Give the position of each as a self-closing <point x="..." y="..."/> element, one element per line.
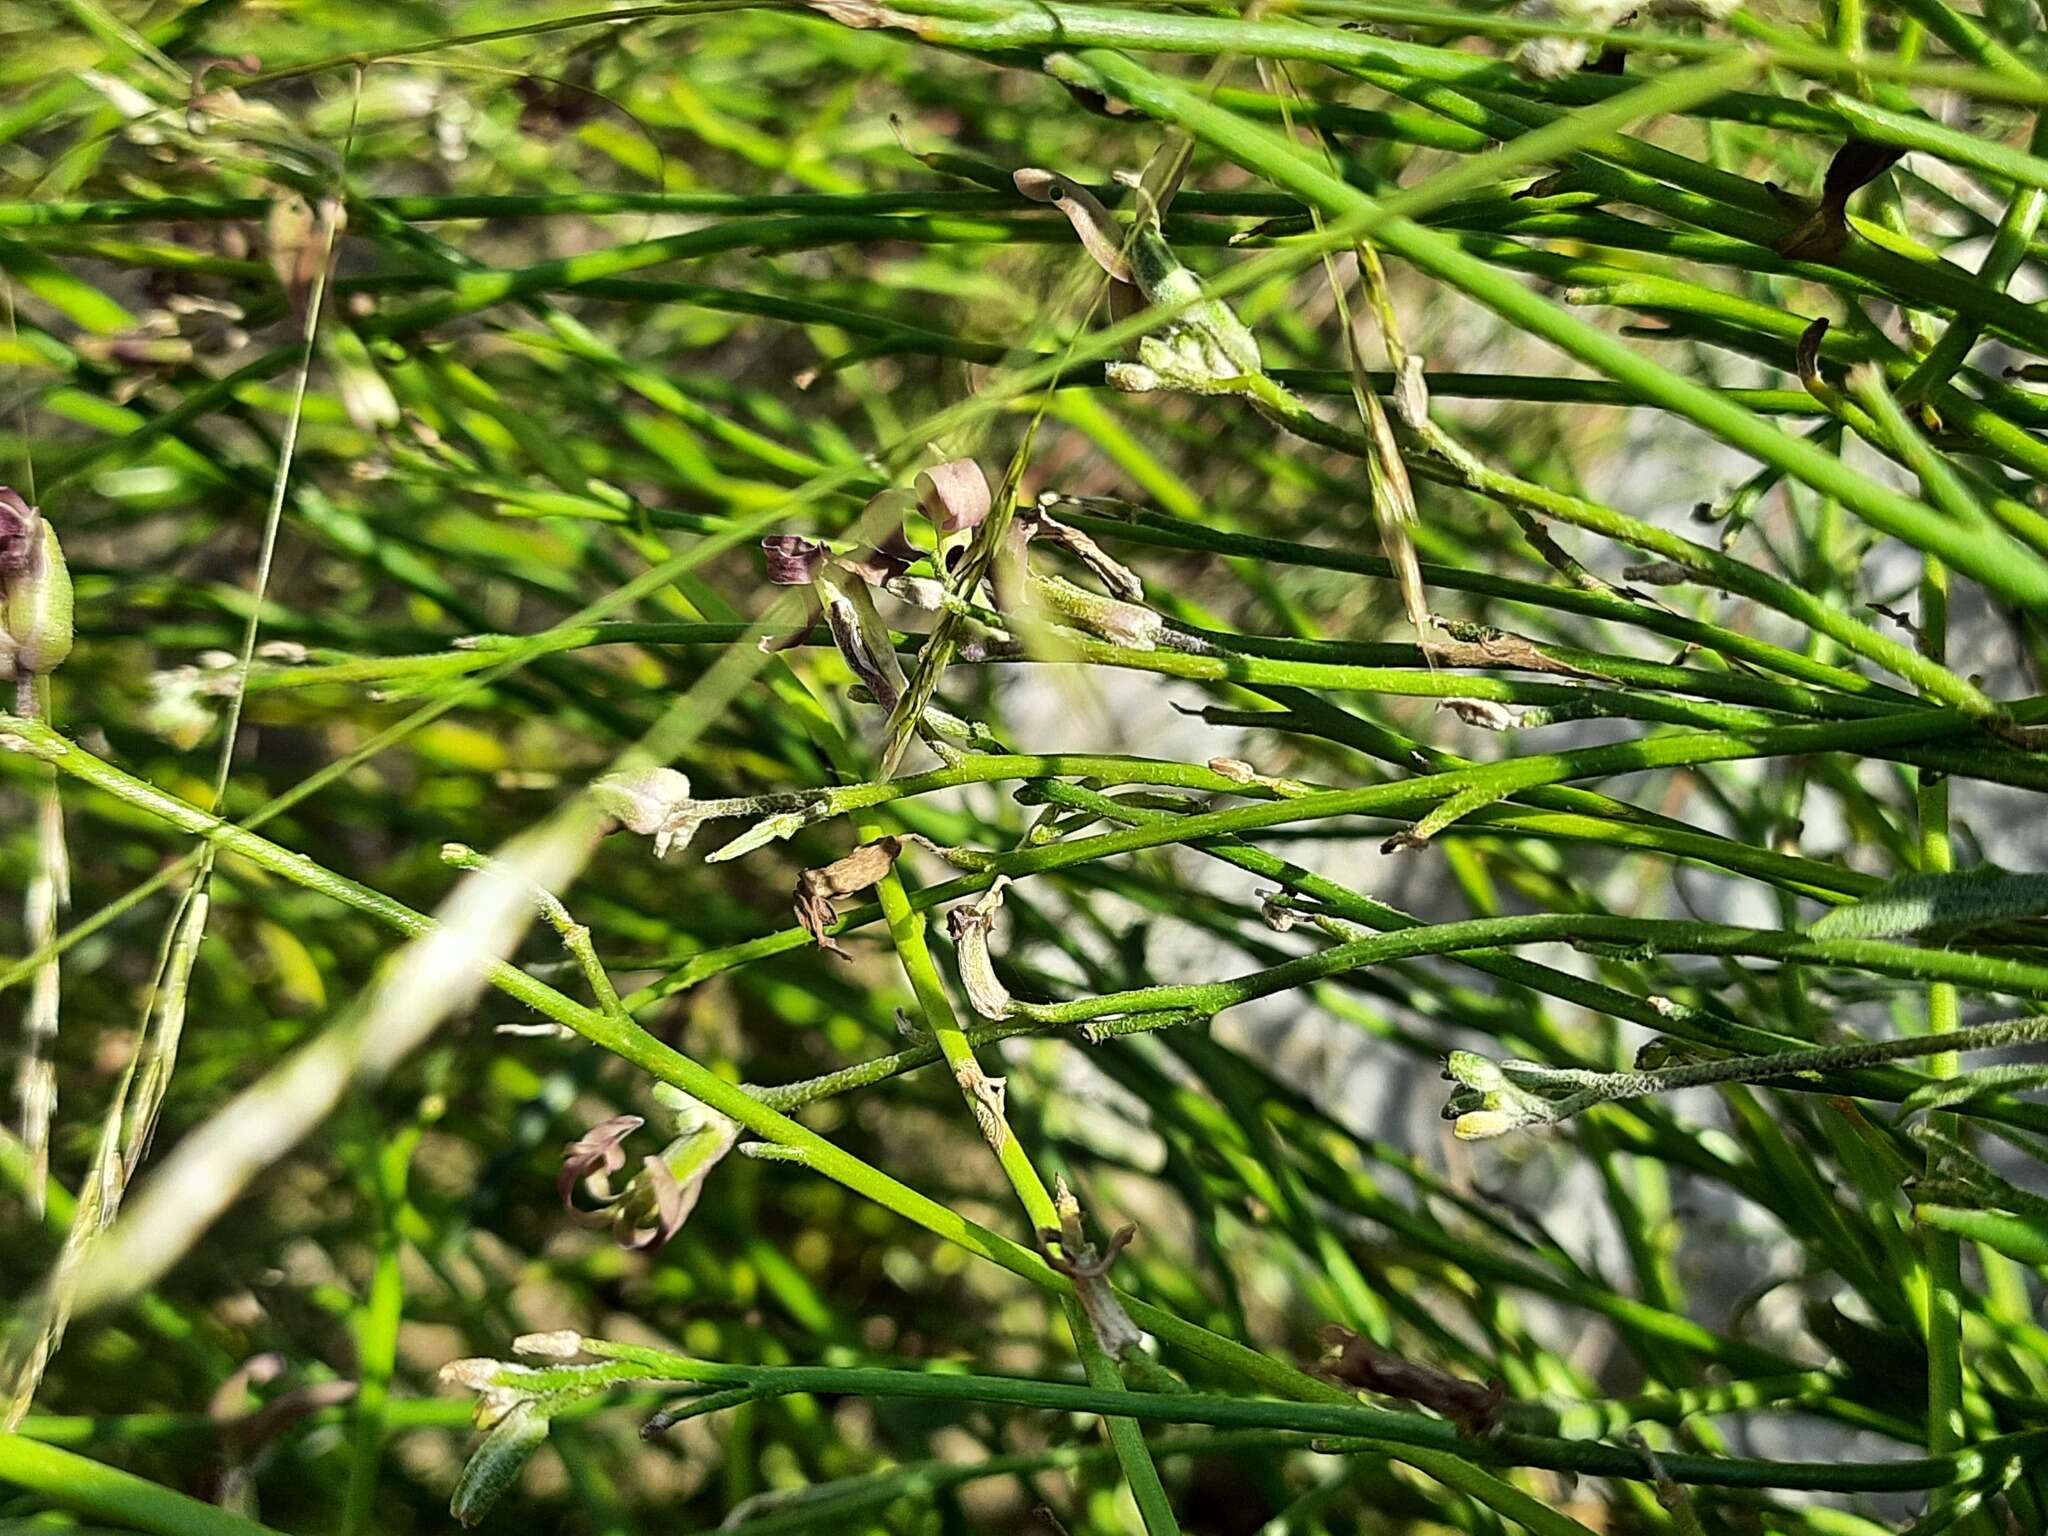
<point x="35" y="598"/>
<point x="1490" y="1102"/>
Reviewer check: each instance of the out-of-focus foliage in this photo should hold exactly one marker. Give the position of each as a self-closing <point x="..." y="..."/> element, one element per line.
<point x="413" y="388"/>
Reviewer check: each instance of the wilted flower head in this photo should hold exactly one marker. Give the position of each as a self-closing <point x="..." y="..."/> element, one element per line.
<point x="655" y="803"/>
<point x="658" y="1199"/>
<point x="817" y="889"/>
<point x="793" y="560"/>
<point x="593" y="1158"/>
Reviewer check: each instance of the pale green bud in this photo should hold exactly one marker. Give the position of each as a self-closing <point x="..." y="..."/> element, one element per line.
<point x="35" y="592"/>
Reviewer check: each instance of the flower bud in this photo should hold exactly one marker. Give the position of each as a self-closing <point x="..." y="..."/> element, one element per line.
<point x="654" y="803"/>
<point x="1484" y="1124"/>
<point x="35" y="591"/>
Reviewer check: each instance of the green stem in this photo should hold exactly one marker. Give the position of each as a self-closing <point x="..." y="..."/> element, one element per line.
<point x="1347" y="1418"/>
<point x="107" y="1493"/>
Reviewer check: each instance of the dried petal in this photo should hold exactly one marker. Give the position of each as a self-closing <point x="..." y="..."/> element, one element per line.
<point x="879" y="564"/>
<point x="1360" y="1363"/>
<point x="1100" y="234"/>
<point x="816" y="889"/>
<point x="1121" y="580"/>
<point x="1079" y="1261"/>
<point x="954" y="495"/>
<point x="793" y="560"/>
<point x="654" y="1210"/>
<point x="989" y="1096"/>
<point x="594" y="1156"/>
<point x="862" y="638"/>
<point x="968" y="924"/>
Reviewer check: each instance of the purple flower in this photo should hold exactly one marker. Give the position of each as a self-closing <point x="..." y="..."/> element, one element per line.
<point x="21" y="535"/>
<point x="592" y="1159"/>
<point x="954" y="495"/>
<point x="793" y="560"/>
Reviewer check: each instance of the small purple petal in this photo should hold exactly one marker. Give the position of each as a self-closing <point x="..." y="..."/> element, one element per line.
<point x="793" y="561"/>
<point x="21" y="540"/>
<point x="593" y="1154"/>
<point x="670" y="1208"/>
<point x="954" y="495"/>
<point x="885" y="561"/>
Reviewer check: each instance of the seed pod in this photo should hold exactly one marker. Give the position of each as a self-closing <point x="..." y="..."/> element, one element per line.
<point x="497" y="1462"/>
<point x="968" y="925"/>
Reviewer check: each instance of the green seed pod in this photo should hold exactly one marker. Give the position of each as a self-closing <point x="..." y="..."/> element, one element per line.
<point x="496" y="1464"/>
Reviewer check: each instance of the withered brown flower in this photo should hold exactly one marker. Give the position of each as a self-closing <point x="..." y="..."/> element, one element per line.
<point x="1360" y="1363"/>
<point x="817" y="889"/>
